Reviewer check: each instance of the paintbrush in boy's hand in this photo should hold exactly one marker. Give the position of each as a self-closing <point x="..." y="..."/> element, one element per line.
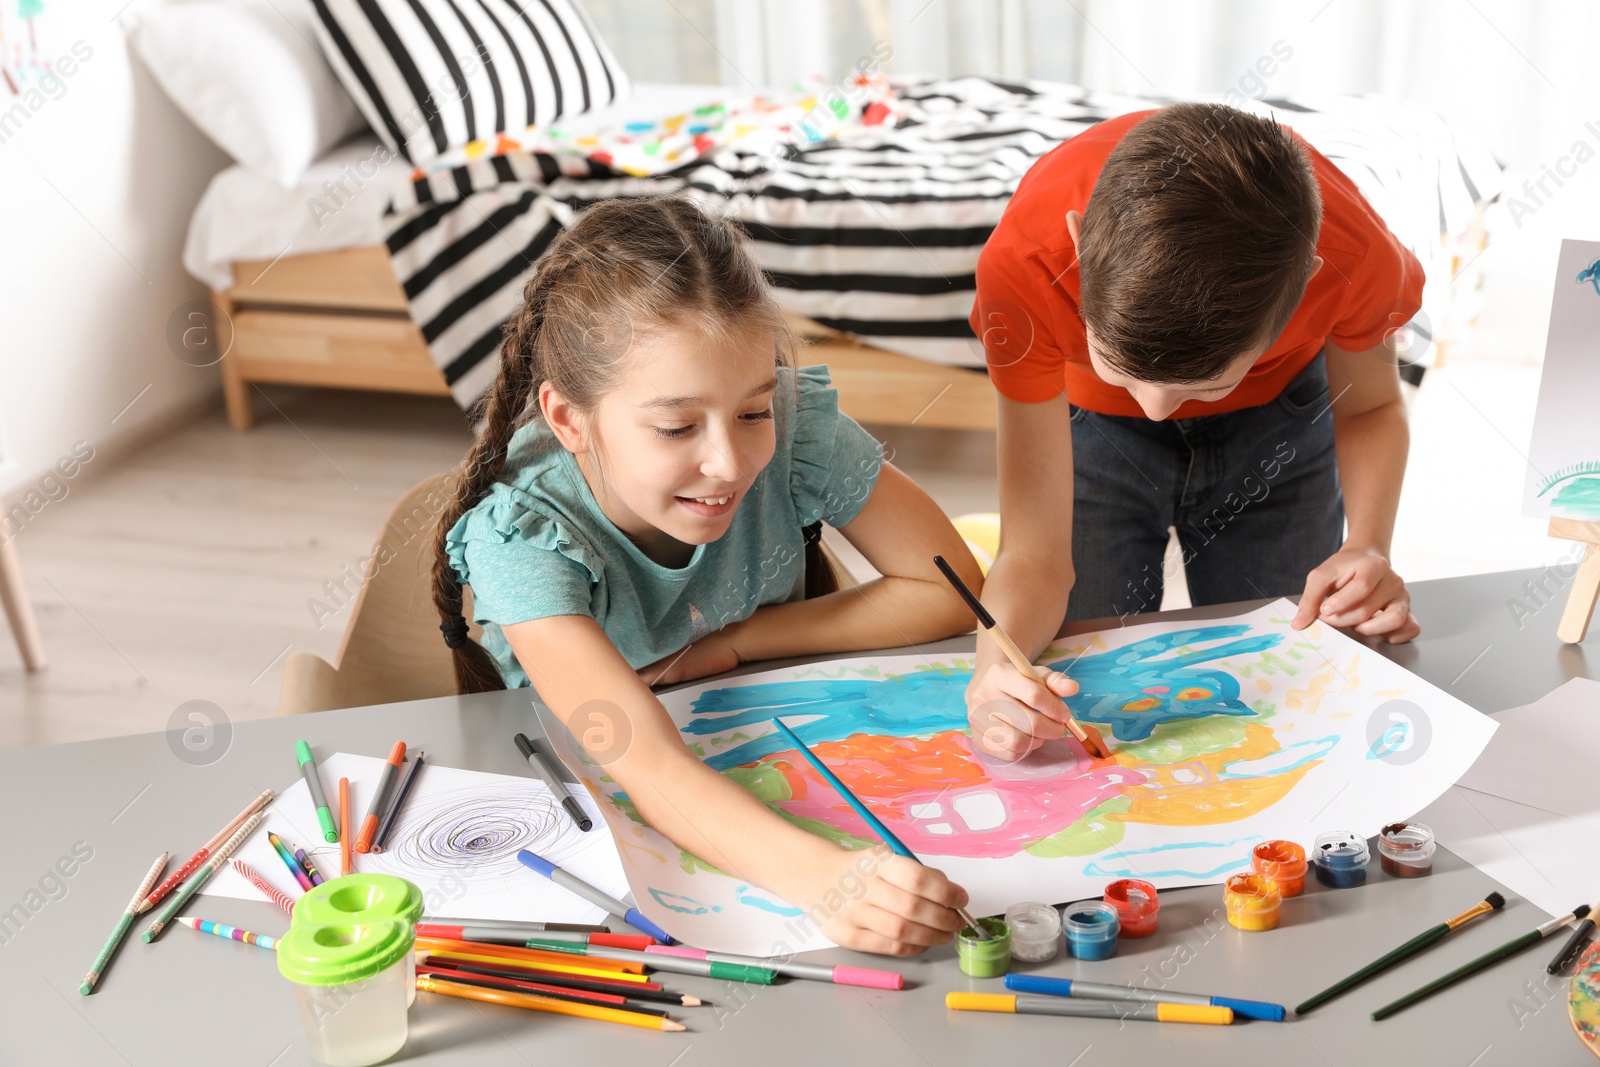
<point x="1087" y="736"/>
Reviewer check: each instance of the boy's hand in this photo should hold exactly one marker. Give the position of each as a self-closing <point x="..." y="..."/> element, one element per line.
<point x="712" y="654"/>
<point x="900" y="909"/>
<point x="1356" y="587"/>
<point x="1011" y="714"/>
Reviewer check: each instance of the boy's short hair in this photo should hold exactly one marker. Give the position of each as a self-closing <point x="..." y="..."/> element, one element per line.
<point x="1197" y="242"/>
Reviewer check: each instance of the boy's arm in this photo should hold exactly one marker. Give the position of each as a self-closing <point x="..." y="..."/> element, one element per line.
<point x="1356" y="586"/>
<point x="878" y="904"/>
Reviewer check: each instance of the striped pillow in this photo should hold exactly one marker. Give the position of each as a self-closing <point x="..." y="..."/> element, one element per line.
<point x="434" y="75"/>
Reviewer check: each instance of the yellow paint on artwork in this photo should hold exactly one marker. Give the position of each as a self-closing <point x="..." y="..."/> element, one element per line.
<point x="1142" y="704"/>
<point x="1195" y="692"/>
<point x="1192" y="793"/>
<point x="1310" y="698"/>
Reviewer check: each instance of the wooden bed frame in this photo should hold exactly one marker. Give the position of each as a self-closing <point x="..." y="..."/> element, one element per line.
<point x="338" y="319"/>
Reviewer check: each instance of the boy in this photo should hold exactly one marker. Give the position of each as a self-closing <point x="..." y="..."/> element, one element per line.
<point x="1202" y="343"/>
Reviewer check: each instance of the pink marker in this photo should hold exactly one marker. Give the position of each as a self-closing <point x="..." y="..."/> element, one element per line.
<point x="816" y="972"/>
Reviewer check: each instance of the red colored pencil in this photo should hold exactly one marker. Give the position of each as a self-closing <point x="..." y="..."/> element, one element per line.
<point x="194" y="862"/>
<point x="534" y="974"/>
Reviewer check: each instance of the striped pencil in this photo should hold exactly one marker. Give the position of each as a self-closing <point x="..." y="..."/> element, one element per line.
<point x="193" y="863"/>
<point x="102" y="961"/>
<point x="289" y="861"/>
<point x="270" y="891"/>
<point x="206" y="926"/>
<point x="225" y="852"/>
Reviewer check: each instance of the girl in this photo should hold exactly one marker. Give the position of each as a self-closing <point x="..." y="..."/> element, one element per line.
<point x="632" y="515"/>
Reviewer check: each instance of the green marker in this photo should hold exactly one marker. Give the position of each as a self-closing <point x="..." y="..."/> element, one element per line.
<point x="308" y="767"/>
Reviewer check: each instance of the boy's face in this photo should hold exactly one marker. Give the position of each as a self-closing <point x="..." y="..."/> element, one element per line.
<point x="1160" y="401"/>
<point x="683" y="436"/>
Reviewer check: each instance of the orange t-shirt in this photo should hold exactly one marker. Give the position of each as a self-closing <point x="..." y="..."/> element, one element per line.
<point x="1027" y="305"/>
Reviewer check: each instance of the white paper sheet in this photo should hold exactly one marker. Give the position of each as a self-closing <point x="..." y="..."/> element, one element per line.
<point x="1564" y="456"/>
<point x="1224" y="733"/>
<point x="456" y="839"/>
<point x="1546" y="754"/>
<point x="1549" y="860"/>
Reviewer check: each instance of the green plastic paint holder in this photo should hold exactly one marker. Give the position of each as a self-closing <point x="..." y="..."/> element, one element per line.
<point x="342" y="953"/>
<point x="352" y="980"/>
<point x="359" y="898"/>
<point x="985" y="959"/>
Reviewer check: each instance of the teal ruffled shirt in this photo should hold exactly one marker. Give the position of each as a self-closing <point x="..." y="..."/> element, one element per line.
<point x="538" y="545"/>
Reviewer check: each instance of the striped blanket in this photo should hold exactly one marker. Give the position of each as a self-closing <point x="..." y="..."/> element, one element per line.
<point x="876" y="229"/>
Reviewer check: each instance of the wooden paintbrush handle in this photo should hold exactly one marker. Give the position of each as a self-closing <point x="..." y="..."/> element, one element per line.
<point x="1021" y="663"/>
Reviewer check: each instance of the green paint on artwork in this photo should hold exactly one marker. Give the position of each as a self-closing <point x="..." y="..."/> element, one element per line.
<point x="1265" y="709"/>
<point x="692" y="863"/>
<point x="1579" y="499"/>
<point x="1184" y="739"/>
<point x="697" y="748"/>
<point x="1093" y="833"/>
<point x="1268" y="664"/>
<point x="738" y="737"/>
<point x="621" y="802"/>
<point x="764" y="781"/>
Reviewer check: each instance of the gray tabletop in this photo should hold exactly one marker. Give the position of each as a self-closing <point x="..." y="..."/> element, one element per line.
<point x="103" y="809"/>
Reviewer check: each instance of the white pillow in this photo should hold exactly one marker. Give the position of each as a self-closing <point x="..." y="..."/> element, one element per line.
<point x="250" y="74"/>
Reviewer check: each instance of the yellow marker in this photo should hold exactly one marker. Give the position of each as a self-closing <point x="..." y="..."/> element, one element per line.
<point x="1097" y="1009"/>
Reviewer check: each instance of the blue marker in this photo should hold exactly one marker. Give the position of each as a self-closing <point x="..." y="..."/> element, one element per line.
<point x="1066" y="987"/>
<point x="566" y="880"/>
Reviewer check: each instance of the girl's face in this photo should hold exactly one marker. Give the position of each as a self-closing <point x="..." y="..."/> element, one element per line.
<point x="681" y="438"/>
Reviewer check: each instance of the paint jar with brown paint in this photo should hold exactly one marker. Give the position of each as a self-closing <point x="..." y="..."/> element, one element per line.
<point x="1405" y="849"/>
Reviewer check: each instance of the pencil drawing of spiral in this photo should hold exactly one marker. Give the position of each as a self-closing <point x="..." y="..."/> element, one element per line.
<point x="465" y="830"/>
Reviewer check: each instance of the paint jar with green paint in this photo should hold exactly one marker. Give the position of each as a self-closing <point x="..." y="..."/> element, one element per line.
<point x="985" y="959"/>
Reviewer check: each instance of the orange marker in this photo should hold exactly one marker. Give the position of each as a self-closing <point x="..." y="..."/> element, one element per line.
<point x="380" y="801"/>
<point x="344" y="826"/>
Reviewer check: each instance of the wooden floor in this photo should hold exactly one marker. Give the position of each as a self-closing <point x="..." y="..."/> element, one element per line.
<point x="188" y="571"/>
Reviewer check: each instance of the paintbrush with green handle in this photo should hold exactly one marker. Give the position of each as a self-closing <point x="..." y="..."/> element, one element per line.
<point x="1429" y="937"/>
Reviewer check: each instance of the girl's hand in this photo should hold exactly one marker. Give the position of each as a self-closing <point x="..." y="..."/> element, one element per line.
<point x="883" y="903"/>
<point x="712" y="654"/>
<point x="1011" y="714"/>
<point x="1358" y="588"/>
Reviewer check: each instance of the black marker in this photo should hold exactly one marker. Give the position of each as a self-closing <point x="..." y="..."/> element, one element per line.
<point x="542" y="768"/>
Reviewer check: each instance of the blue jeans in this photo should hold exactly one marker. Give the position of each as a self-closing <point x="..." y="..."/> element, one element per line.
<point x="1254" y="495"/>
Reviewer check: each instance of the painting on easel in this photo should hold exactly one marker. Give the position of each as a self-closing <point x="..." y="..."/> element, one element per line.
<point x="1564" y="459"/>
<point x="22" y="62"/>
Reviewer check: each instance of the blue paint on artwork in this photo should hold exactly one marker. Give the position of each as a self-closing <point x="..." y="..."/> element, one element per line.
<point x="1286" y="759"/>
<point x="1390" y="741"/>
<point x="1237" y="850"/>
<point x="1591" y="274"/>
<point x="689" y="905"/>
<point x="747" y="895"/>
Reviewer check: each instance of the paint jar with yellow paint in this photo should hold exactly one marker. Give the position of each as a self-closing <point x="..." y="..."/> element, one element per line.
<point x="1253" y="902"/>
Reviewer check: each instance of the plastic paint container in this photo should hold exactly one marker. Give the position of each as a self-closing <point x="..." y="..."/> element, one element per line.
<point x="1035" y="932"/>
<point x="1405" y="850"/>
<point x="351" y="982"/>
<point x="985" y="959"/>
<point x="1137" y="905"/>
<point x="1340" y="859"/>
<point x="1283" y="862"/>
<point x="364" y="898"/>
<point x="1253" y="902"/>
<point x="1092" y="927"/>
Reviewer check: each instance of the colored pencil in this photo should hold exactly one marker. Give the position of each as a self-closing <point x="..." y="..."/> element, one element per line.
<point x="1071" y="987"/>
<point x="206" y="926"/>
<point x="737" y="972"/>
<point x="289" y="861"/>
<point x="199" y="878"/>
<point x="344" y="826"/>
<point x="1429" y="937"/>
<point x="270" y="891"/>
<point x="103" y="960"/>
<point x="894" y="843"/>
<point x="543" y="768"/>
<point x="598" y="897"/>
<point x="193" y="863"/>
<point x="606" y="969"/>
<point x="650" y="991"/>
<point x="303" y="858"/>
<point x="614" y="981"/>
<point x="308" y="768"/>
<point x="1569" y="951"/>
<point x="520" y="936"/>
<point x="815" y="972"/>
<point x="546" y="1004"/>
<point x="1087" y="736"/>
<point x="519" y="924"/>
<point x="1155" y="1012"/>
<point x="390" y="817"/>
<point x="521" y="985"/>
<point x="1483" y="962"/>
<point x="380" y="799"/>
<point x="538" y="956"/>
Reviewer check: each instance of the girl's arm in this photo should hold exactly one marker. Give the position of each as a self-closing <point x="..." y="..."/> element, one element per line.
<point x="899" y="530"/>
<point x="868" y="901"/>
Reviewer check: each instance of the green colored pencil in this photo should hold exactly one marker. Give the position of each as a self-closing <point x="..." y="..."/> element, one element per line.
<point x="1428" y="937"/>
<point x="104" y="959"/>
<point x="215" y="862"/>
<point x="1483" y="962"/>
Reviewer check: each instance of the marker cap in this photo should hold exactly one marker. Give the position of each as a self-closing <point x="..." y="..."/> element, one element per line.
<point x="981" y="1002"/>
<point x="1193" y="1013"/>
<point x="1252" y="1009"/>
<point x="870" y="979"/>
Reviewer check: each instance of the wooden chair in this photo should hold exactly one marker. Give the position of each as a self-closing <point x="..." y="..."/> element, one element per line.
<point x="392" y="649"/>
<point x="18" y="609"/>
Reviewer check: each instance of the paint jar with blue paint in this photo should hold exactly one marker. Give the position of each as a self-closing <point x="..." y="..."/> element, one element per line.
<point x="1340" y="859"/>
<point x="1092" y="927"/>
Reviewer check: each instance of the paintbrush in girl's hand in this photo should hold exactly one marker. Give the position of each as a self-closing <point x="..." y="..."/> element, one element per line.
<point x="1428" y="937"/>
<point x="1087" y="736"/>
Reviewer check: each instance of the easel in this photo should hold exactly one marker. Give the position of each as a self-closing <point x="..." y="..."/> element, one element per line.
<point x="1585" y="583"/>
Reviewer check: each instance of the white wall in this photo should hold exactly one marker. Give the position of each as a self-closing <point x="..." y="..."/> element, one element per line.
<point x="96" y="189"/>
